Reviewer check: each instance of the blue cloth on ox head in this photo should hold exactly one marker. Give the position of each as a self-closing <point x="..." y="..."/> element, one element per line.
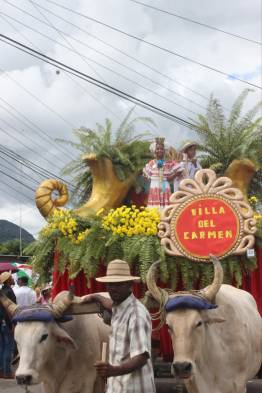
<point x="38" y="313"/>
<point x="33" y="313"/>
<point x="187" y="301"/>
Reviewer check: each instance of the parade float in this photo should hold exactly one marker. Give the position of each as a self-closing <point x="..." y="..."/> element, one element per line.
<point x="209" y="214"/>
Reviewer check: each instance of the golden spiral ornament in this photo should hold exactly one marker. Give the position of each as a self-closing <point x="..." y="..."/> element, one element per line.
<point x="44" y="199"/>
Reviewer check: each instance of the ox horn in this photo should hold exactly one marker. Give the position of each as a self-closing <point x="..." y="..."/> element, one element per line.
<point x="59" y="307"/>
<point x="8" y="305"/>
<point x="210" y="291"/>
<point x="159" y="294"/>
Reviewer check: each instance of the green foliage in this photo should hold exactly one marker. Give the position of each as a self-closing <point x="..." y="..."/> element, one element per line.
<point x="100" y="246"/>
<point x="128" y="152"/>
<point x="11" y="247"/>
<point x="223" y="140"/>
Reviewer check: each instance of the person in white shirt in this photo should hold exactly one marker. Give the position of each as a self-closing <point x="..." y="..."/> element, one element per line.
<point x="25" y="296"/>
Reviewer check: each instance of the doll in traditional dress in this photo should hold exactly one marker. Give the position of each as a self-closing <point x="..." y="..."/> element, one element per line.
<point x="159" y="171"/>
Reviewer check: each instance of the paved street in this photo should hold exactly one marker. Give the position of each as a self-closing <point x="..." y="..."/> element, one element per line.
<point x="10" y="386"/>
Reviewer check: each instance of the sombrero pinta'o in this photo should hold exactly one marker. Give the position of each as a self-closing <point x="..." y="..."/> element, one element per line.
<point x="187" y="145"/>
<point x="4" y="277"/>
<point x="117" y="271"/>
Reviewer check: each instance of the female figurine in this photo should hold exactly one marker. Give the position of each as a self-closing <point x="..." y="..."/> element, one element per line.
<point x="159" y="171"/>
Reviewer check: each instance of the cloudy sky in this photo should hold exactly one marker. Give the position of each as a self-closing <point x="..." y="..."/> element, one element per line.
<point x="39" y="104"/>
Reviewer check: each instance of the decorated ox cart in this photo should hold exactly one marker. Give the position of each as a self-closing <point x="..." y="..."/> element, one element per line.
<point x="207" y="215"/>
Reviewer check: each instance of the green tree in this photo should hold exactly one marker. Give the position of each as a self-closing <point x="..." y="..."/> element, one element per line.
<point x="128" y="152"/>
<point x="223" y="140"/>
<point x="12" y="247"/>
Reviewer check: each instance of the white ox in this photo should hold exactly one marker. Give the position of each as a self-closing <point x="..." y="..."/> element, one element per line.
<point x="216" y="350"/>
<point x="60" y="355"/>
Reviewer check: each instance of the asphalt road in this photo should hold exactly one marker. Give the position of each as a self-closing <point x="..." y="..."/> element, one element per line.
<point x="10" y="386"/>
<point x="163" y="385"/>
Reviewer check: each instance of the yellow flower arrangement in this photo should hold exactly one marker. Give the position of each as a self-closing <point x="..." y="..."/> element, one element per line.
<point x="257" y="216"/>
<point x="64" y="222"/>
<point x="253" y="202"/>
<point x="130" y="221"/>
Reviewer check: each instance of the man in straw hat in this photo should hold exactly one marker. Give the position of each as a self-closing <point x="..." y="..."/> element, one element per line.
<point x="6" y="335"/>
<point x="129" y="369"/>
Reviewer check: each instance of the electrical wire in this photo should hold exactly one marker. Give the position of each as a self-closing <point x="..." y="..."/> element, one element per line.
<point x="21" y="143"/>
<point x="16" y="191"/>
<point x="35" y="168"/>
<point x="93" y="49"/>
<point x="18" y="181"/>
<point x="107" y="68"/>
<point x="94" y="81"/>
<point x="4" y="191"/>
<point x="135" y="59"/>
<point x="196" y="22"/>
<point x="25" y="175"/>
<point x="34" y="127"/>
<point x="82" y="56"/>
<point x="154" y="45"/>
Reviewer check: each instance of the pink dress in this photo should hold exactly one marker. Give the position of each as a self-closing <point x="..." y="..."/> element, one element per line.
<point x="157" y="171"/>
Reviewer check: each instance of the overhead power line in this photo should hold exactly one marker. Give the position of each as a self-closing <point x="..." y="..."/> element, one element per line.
<point x="34" y="127"/>
<point x="93" y="81"/>
<point x="135" y="59"/>
<point x="196" y="22"/>
<point x="153" y="44"/>
<point x="12" y="136"/>
<point x="18" y="192"/>
<point x="83" y="57"/>
<point x="27" y="177"/>
<point x="18" y="181"/>
<point x="30" y="165"/>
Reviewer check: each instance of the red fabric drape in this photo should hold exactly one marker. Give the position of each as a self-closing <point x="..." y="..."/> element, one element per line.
<point x="252" y="282"/>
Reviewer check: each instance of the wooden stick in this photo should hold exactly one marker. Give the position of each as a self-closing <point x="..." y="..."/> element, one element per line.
<point x="104" y="349"/>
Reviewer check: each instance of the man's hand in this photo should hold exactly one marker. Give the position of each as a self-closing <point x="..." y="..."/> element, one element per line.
<point x="105" y="370"/>
<point x="96" y="297"/>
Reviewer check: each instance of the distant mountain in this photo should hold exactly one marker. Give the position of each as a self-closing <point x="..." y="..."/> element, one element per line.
<point x="10" y="231"/>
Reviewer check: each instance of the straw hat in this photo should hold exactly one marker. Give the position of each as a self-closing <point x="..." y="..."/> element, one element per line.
<point x="4" y="277"/>
<point x="187" y="145"/>
<point x="117" y="271"/>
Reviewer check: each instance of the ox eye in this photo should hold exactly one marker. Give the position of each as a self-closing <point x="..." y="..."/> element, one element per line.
<point x="43" y="338"/>
<point x="199" y="324"/>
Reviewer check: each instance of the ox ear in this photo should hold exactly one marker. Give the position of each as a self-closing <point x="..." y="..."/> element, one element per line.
<point x="63" y="337"/>
<point x="214" y="316"/>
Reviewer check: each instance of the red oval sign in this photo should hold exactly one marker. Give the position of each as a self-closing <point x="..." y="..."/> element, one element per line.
<point x="207" y="225"/>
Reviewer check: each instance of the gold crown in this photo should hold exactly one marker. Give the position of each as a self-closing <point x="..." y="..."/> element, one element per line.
<point x="160" y="141"/>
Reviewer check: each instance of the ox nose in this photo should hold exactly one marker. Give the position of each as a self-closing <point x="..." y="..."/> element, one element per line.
<point x="24" y="379"/>
<point x="182" y="368"/>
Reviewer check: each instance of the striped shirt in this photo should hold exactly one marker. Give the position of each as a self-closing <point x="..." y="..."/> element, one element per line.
<point x="131" y="336"/>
